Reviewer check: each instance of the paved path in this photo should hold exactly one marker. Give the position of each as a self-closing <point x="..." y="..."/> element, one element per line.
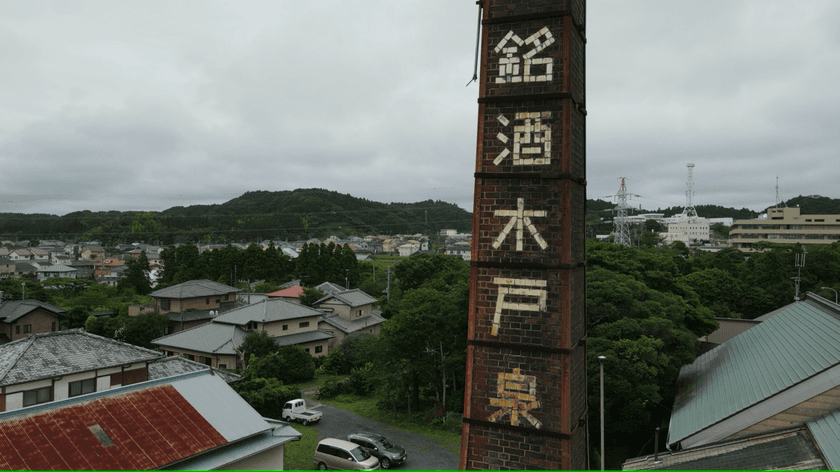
<point x="423" y="453"/>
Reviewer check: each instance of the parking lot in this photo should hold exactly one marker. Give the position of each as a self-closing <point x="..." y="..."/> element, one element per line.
<point x="423" y="453"/>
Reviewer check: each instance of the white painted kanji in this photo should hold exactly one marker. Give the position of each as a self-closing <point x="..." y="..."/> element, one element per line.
<point x="509" y="69"/>
<point x="520" y="218"/>
<point x="531" y="139"/>
<point x="517" y="396"/>
<point x="518" y="287"/>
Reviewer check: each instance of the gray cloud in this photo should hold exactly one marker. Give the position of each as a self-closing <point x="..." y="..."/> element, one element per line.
<point x="147" y="105"/>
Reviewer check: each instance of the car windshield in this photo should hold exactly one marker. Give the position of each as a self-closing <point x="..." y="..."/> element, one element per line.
<point x="360" y="454"/>
<point x="385" y="444"/>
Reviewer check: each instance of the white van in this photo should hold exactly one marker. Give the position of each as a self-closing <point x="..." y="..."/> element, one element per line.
<point x="344" y="455"/>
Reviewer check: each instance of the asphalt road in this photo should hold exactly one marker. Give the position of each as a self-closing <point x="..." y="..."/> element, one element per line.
<point x="422" y="453"/>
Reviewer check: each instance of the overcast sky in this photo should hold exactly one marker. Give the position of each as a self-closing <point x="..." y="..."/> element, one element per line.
<point x="145" y="105"/>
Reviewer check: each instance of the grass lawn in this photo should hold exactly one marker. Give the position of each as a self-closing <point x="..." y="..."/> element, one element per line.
<point x="298" y="454"/>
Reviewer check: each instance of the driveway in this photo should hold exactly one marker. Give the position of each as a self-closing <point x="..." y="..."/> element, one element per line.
<point x="423" y="453"/>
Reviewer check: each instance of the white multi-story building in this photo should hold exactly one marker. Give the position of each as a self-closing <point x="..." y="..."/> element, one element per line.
<point x="687" y="230"/>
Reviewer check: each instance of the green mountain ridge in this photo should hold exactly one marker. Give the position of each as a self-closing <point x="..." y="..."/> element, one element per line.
<point x="296" y="215"/>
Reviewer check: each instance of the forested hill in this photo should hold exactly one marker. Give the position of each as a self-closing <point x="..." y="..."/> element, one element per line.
<point x="254" y="216"/>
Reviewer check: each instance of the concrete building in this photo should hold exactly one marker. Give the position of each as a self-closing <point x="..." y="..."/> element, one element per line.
<point x="687" y="230"/>
<point x="785" y="226"/>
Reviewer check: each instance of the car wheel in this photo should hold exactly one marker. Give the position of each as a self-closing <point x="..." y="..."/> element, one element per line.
<point x="322" y="466"/>
<point x="385" y="463"/>
<point x="288" y="419"/>
<point x="305" y="422"/>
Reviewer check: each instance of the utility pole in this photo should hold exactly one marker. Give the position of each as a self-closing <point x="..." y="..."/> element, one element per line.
<point x="388" y="289"/>
<point x="799" y="264"/>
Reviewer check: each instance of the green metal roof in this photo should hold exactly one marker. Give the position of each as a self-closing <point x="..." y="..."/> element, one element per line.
<point x="826" y="433"/>
<point x="798" y="342"/>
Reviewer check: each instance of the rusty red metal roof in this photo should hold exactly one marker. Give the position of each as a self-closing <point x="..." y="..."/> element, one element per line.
<point x="149" y="427"/>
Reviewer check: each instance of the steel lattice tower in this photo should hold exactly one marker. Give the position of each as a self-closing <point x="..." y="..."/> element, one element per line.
<point x="622" y="226"/>
<point x="689" y="212"/>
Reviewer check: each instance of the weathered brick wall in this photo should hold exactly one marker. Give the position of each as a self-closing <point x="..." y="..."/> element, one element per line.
<point x="525" y="401"/>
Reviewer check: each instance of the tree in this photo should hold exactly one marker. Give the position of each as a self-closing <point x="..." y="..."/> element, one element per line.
<point x="290" y="364"/>
<point x="140" y="330"/>
<point x="310" y="296"/>
<point x="136" y="276"/>
<point x="258" y="344"/>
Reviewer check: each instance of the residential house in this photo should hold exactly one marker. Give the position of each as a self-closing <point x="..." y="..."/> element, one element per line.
<point x="191" y="303"/>
<point x="191" y="421"/>
<point x="348" y="312"/>
<point x="84" y="269"/>
<point x="23" y="269"/>
<point x="39" y="255"/>
<point x="49" y="367"/>
<point x="408" y="248"/>
<point x="20" y="254"/>
<point x="217" y="343"/>
<point x="459" y="249"/>
<point x="7" y="267"/>
<point x="20" y="318"/>
<point x="63" y="271"/>
<point x="92" y="253"/>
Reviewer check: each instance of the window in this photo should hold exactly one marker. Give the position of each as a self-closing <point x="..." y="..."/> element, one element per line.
<point x="53" y="326"/>
<point x="207" y="301"/>
<point x="17" y="329"/>
<point x="225" y="298"/>
<point x="82" y="387"/>
<point x="164" y="304"/>
<point x="306" y="349"/>
<point x="304" y="324"/>
<point x="318" y="349"/>
<point x="27" y="328"/>
<point x="223" y="366"/>
<point x="285" y="327"/>
<point x="39" y="395"/>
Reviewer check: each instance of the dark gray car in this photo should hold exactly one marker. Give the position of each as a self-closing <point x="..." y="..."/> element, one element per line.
<point x="376" y="444"/>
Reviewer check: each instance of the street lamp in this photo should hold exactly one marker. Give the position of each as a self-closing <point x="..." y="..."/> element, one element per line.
<point x="601" y="361"/>
<point x="835" y="293"/>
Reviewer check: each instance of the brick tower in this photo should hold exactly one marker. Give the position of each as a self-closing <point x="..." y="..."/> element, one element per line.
<point x="525" y="400"/>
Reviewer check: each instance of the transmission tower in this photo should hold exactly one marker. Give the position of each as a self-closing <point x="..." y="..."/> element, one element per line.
<point x="689" y="212"/>
<point x="622" y="226"/>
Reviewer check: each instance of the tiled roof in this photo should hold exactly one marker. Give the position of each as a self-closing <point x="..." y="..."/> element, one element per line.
<point x="293" y="292"/>
<point x="348" y="327"/>
<point x="211" y="337"/>
<point x="300" y="338"/>
<point x="194" y="288"/>
<point x="66" y="352"/>
<point x="147" y="425"/>
<point x="353" y="298"/>
<point x="266" y="311"/>
<point x="12" y="310"/>
<point x="330" y="287"/>
<point x="797" y="343"/>
<point x="176" y="365"/>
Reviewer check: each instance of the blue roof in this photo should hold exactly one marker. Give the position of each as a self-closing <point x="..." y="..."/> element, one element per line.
<point x="798" y="342"/>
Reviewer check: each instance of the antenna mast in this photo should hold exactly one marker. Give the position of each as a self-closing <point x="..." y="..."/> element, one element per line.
<point x="622" y="226"/>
